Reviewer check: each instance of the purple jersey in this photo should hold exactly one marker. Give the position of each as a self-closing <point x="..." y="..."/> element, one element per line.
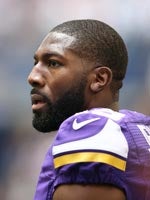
<point x="100" y="146"/>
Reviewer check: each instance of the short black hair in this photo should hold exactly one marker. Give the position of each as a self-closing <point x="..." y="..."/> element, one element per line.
<point x="97" y="42"/>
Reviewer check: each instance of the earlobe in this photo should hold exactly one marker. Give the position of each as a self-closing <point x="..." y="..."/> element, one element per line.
<point x="102" y="78"/>
<point x="96" y="87"/>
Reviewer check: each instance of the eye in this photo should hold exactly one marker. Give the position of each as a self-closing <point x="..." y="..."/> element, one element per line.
<point x="54" y="63"/>
<point x="35" y="62"/>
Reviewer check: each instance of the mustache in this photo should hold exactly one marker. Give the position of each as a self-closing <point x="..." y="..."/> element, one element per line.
<point x="36" y="91"/>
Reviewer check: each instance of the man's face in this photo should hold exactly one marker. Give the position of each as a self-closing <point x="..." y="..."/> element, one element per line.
<point x="59" y="80"/>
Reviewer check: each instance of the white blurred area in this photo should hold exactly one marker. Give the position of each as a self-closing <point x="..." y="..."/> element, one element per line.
<point x="23" y="24"/>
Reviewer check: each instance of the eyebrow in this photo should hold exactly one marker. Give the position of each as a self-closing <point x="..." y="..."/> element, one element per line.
<point x="47" y="55"/>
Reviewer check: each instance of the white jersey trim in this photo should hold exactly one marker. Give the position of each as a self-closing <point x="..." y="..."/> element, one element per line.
<point x="110" y="139"/>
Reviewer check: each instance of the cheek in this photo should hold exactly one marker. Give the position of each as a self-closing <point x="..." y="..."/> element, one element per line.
<point x="58" y="86"/>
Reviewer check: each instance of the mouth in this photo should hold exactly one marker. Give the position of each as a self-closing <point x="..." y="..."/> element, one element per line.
<point x="38" y="102"/>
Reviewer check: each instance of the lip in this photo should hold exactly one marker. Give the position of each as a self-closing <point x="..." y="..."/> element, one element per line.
<point x="38" y="102"/>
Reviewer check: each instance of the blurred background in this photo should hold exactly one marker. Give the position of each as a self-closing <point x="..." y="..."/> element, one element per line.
<point x="23" y="24"/>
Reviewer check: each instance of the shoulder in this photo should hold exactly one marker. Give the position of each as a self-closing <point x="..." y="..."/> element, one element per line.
<point x="135" y="117"/>
<point x="95" y="132"/>
<point x="88" y="123"/>
<point x="137" y="131"/>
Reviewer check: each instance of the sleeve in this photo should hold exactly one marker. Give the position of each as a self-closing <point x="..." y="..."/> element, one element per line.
<point x="90" y="149"/>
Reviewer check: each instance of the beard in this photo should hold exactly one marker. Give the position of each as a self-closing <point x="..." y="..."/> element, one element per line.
<point x="68" y="104"/>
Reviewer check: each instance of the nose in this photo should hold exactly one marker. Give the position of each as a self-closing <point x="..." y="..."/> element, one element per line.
<point x="35" y="78"/>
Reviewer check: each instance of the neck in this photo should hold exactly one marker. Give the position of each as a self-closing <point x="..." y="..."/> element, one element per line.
<point x="103" y="101"/>
<point x="114" y="106"/>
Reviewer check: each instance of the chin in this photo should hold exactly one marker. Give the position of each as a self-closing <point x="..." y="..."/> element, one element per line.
<point x="44" y="123"/>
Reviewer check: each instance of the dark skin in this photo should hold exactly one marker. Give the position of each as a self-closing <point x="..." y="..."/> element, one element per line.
<point x="57" y="68"/>
<point x="88" y="192"/>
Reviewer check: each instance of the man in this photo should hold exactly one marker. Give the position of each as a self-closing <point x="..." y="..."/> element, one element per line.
<point x="99" y="153"/>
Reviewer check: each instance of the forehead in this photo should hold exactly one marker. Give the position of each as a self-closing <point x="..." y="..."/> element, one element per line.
<point x="57" y="42"/>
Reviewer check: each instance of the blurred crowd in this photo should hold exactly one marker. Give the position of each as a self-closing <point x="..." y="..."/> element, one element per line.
<point x="23" y="24"/>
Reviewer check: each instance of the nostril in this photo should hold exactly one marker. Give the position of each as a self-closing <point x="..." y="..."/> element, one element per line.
<point x="35" y="84"/>
<point x="35" y="80"/>
<point x="31" y="80"/>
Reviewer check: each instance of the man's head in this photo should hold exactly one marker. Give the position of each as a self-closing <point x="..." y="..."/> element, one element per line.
<point x="79" y="65"/>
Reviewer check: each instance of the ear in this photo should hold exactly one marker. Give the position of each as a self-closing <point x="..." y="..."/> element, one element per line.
<point x="102" y="78"/>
